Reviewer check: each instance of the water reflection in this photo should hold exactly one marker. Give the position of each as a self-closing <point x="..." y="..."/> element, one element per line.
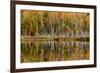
<point x="37" y="51"/>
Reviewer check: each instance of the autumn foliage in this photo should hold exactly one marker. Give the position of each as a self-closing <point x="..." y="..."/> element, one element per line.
<point x="54" y="36"/>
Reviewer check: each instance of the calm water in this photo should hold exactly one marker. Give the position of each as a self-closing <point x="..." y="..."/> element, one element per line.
<point x="38" y="51"/>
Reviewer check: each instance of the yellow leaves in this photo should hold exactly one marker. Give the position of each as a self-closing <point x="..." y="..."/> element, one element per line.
<point x="54" y="24"/>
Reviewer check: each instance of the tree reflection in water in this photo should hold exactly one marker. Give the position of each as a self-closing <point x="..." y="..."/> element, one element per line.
<point x="54" y="36"/>
<point x="38" y="51"/>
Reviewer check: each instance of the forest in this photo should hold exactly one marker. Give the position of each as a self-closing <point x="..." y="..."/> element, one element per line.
<point x="54" y="36"/>
<point x="54" y="23"/>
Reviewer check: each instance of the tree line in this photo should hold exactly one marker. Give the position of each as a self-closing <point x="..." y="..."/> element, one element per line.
<point x="36" y="23"/>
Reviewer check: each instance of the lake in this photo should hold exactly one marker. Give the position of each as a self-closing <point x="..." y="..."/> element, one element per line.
<point x="54" y="50"/>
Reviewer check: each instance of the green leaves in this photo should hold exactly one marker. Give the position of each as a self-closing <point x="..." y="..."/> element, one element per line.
<point x="58" y="27"/>
<point x="45" y="22"/>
